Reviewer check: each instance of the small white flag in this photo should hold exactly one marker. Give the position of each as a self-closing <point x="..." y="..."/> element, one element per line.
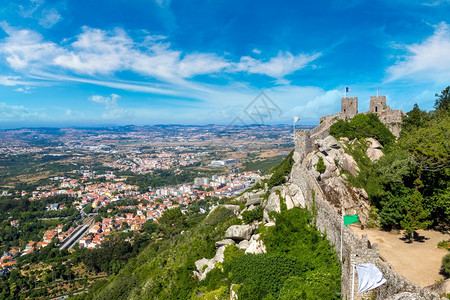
<point x="369" y="277"/>
<point x="296" y="119"/>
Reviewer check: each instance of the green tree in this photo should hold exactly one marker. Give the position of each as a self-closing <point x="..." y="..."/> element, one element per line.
<point x="415" y="215"/>
<point x="172" y="222"/>
<point x="443" y="100"/>
<point x="88" y="208"/>
<point x="414" y="119"/>
<point x="446" y="265"/>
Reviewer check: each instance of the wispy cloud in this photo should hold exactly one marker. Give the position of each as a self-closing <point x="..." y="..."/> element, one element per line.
<point x="426" y="61"/>
<point x="13" y="81"/>
<point x="16" y="112"/>
<point x="101" y="52"/>
<point x="277" y="67"/>
<point x="25" y="90"/>
<point x="49" y="18"/>
<point x="107" y="101"/>
<point x="112" y="110"/>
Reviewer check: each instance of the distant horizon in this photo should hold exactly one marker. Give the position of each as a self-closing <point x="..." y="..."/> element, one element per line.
<point x="156" y="125"/>
<point x="89" y="63"/>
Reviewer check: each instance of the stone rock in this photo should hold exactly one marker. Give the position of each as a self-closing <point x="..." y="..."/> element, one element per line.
<point x="233" y="294"/>
<point x="239" y="232"/>
<point x="234" y="208"/>
<point x="253" y="201"/>
<point x="273" y="203"/>
<point x="374" y="154"/>
<point x="406" y="296"/>
<point x="349" y="164"/>
<point x="243" y="245"/>
<point x="374" y="150"/>
<point x="297" y="195"/>
<point x="224" y="243"/>
<point x="269" y="224"/>
<point x="328" y="143"/>
<point x="256" y="246"/>
<point x="205" y="265"/>
<point x="373" y="143"/>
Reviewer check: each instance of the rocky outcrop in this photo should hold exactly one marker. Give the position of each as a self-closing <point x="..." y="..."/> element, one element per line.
<point x="374" y="151"/>
<point x="233" y="208"/>
<point x="328" y="196"/>
<point x="205" y="265"/>
<point x="224" y="243"/>
<point x="256" y="246"/>
<point x="239" y="232"/>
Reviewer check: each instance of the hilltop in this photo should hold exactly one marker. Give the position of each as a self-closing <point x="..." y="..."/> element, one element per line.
<point x="282" y="238"/>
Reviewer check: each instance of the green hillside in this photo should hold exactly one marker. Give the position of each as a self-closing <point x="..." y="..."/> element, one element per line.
<point x="299" y="263"/>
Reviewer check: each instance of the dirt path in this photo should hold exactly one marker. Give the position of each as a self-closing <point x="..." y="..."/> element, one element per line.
<point x="420" y="262"/>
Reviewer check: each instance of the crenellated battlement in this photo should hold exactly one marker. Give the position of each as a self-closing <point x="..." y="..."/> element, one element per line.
<point x="349" y="107"/>
<point x="378" y="104"/>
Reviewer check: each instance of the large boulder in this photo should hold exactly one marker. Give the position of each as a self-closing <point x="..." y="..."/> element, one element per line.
<point x="254" y="200"/>
<point x="243" y="244"/>
<point x="327" y="144"/>
<point x="205" y="265"/>
<point x="239" y="232"/>
<point x="224" y="243"/>
<point x="256" y="246"/>
<point x="374" y="151"/>
<point x="349" y="164"/>
<point x="273" y="203"/>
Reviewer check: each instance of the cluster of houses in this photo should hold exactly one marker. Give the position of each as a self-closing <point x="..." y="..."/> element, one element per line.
<point x="151" y="206"/>
<point x="143" y="164"/>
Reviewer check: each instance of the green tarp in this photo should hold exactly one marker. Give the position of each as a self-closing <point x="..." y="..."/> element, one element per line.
<point x="350" y="219"/>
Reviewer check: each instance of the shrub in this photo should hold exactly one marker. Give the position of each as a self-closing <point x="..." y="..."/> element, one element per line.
<point x="363" y="126"/>
<point x="249" y="216"/>
<point x="320" y="166"/>
<point x="446" y="265"/>
<point x="445" y="244"/>
<point x="280" y="172"/>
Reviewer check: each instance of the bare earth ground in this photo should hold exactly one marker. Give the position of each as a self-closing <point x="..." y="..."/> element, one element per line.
<point x="419" y="262"/>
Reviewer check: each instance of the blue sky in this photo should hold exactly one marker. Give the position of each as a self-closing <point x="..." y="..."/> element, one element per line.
<point x="82" y="63"/>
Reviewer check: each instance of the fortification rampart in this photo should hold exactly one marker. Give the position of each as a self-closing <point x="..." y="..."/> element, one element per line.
<point x="349" y="108"/>
<point x="329" y="220"/>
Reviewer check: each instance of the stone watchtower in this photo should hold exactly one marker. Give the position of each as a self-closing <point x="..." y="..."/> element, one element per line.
<point x="349" y="107"/>
<point x="377" y="104"/>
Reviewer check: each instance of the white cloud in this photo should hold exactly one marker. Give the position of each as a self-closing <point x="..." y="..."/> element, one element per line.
<point x="426" y="61"/>
<point x="25" y="48"/>
<point x="49" y="18"/>
<point x="15" y="112"/>
<point x="25" y="90"/>
<point x="12" y="81"/>
<point x="112" y="110"/>
<point x="101" y="52"/>
<point x="256" y="51"/>
<point x="277" y="67"/>
<point x="107" y="101"/>
<point x="97" y="52"/>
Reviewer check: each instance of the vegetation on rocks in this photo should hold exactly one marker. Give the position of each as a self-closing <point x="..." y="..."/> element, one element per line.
<point x="363" y="126"/>
<point x="296" y="255"/>
<point x="410" y="184"/>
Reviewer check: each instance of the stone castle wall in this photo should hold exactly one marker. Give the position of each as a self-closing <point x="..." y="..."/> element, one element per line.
<point x="377" y="104"/>
<point x="349" y="107"/>
<point x="329" y="220"/>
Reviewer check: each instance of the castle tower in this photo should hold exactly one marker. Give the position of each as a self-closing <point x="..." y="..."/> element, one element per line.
<point x="349" y="107"/>
<point x="377" y="104"/>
